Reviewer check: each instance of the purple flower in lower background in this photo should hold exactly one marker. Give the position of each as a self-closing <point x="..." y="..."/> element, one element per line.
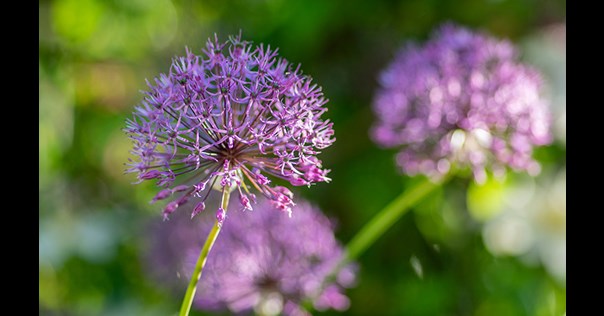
<point x="262" y="262"/>
<point x="461" y="99"/>
<point x="229" y="120"/>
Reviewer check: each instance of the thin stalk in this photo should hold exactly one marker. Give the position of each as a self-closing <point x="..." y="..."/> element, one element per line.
<point x="380" y="223"/>
<point x="203" y="256"/>
<point x="385" y="218"/>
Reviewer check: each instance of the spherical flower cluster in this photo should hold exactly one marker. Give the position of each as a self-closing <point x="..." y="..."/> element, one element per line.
<point x="262" y="262"/>
<point x="461" y="99"/>
<point x="229" y="119"/>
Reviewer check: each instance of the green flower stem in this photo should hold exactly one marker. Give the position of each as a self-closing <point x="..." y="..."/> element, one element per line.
<point x="378" y="225"/>
<point x="203" y="256"/>
<point x="387" y="217"/>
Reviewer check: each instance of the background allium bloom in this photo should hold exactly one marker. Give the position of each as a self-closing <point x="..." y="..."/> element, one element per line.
<point x="262" y="261"/>
<point x="230" y="118"/>
<point x="462" y="98"/>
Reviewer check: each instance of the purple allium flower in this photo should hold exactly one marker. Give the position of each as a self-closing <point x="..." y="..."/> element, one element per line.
<point x="461" y="99"/>
<point x="262" y="261"/>
<point x="230" y="119"/>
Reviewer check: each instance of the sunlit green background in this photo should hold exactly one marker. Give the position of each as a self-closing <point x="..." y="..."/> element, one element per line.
<point x="497" y="249"/>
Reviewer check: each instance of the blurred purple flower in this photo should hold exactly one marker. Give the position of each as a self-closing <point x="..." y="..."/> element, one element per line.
<point x="228" y="119"/>
<point x="461" y="99"/>
<point x="262" y="262"/>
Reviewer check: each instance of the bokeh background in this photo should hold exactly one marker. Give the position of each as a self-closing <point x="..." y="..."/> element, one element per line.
<point x="496" y="249"/>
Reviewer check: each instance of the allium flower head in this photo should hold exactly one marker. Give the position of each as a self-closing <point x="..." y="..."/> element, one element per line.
<point x="230" y="118"/>
<point x="262" y="262"/>
<point x="462" y="99"/>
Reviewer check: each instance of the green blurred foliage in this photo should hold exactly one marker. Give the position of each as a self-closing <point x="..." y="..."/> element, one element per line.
<point x="94" y="57"/>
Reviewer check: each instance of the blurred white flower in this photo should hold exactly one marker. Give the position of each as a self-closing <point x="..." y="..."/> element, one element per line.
<point x="532" y="228"/>
<point x="546" y="50"/>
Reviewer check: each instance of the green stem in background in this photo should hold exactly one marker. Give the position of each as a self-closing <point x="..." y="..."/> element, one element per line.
<point x="387" y="217"/>
<point x="203" y="256"/>
<point x="376" y="227"/>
